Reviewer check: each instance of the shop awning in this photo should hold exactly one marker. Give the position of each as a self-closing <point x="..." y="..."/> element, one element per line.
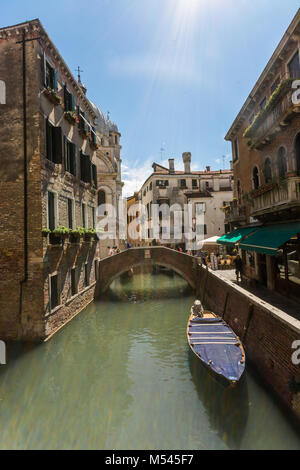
<point x="230" y="239"/>
<point x="270" y="238"/>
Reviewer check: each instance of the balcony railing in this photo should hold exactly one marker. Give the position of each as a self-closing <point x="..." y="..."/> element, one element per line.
<point x="275" y="116"/>
<point x="276" y="197"/>
<point x="235" y="213"/>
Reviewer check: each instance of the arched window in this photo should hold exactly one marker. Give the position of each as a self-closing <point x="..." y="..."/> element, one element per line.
<point x="281" y="162"/>
<point x="255" y="178"/>
<point x="101" y="197"/>
<point x="2" y="92"/>
<point x="297" y="153"/>
<point x="268" y="170"/>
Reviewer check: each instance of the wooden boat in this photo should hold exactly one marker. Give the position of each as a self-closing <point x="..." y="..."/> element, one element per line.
<point x="217" y="346"/>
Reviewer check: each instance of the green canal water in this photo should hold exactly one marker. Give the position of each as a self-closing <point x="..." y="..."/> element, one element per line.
<point x="120" y="376"/>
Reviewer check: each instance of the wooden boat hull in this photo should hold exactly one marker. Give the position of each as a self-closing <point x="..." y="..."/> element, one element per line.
<point x="217" y="347"/>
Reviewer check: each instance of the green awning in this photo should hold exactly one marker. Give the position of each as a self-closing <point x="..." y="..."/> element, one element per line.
<point x="270" y="238"/>
<point x="234" y="237"/>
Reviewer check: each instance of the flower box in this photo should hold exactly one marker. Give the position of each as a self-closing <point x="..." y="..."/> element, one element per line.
<point x="71" y="117"/>
<point x="53" y="96"/>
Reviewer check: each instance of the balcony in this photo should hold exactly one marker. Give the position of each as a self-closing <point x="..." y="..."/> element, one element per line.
<point x="276" y="198"/>
<point x="235" y="214"/>
<point x="276" y="115"/>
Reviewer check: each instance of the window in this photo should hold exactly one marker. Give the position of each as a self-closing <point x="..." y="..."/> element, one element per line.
<point x="85" y="168"/>
<point x="275" y="85"/>
<point x="83" y="215"/>
<point x="236" y="149"/>
<point x="263" y="103"/>
<point x="281" y="162"/>
<point x="54" y="294"/>
<point x="82" y="122"/>
<point x="68" y="100"/>
<point x="183" y="183"/>
<point x="74" y="285"/>
<point x="94" y="176"/>
<point x="70" y="213"/>
<point x="70" y="156"/>
<point x="200" y="208"/>
<point x="251" y="119"/>
<point x="86" y="275"/>
<point x="194" y="183"/>
<point x="255" y="178"/>
<point x="268" y="170"/>
<point x="239" y="192"/>
<point x="93" y="135"/>
<point x="294" y="66"/>
<point x="101" y="197"/>
<point x="144" y="193"/>
<point x="51" y="211"/>
<point x="50" y="76"/>
<point x="150" y="186"/>
<point x="93" y="217"/>
<point x="162" y="183"/>
<point x="201" y="229"/>
<point x="53" y="143"/>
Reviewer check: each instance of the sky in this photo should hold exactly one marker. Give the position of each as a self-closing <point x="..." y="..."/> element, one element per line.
<point x="172" y="73"/>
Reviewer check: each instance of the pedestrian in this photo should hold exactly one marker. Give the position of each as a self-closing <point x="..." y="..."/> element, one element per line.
<point x="238" y="268"/>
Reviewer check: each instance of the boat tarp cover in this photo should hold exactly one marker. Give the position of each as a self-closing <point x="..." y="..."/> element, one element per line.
<point x="225" y="358"/>
<point x="268" y="239"/>
<point x="234" y="237"/>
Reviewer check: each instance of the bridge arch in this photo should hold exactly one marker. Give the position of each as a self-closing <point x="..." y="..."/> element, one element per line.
<point x="114" y="266"/>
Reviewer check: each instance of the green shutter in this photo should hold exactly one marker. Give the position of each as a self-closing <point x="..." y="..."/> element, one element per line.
<point x="57" y="154"/>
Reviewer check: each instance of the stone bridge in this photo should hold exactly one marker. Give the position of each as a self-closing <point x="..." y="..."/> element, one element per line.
<point x="114" y="266"/>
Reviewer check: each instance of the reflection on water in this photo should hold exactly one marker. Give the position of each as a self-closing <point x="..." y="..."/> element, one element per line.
<point x="120" y="376"/>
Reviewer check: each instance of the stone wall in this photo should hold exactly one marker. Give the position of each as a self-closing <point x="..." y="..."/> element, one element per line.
<point x="267" y="334"/>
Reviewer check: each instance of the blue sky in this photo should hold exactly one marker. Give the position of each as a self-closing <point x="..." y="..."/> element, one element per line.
<point x="172" y="73"/>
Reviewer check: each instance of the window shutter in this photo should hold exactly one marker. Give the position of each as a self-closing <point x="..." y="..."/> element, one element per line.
<point x="55" y="80"/>
<point x="73" y="159"/>
<point x="65" y="153"/>
<point x="94" y="175"/>
<point x="66" y="98"/>
<point x="44" y="69"/>
<point x="81" y="166"/>
<point x="84" y="126"/>
<point x="48" y="140"/>
<point x="72" y="102"/>
<point x="57" y="154"/>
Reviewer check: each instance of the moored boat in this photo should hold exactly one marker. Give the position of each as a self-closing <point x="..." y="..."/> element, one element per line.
<point x="217" y="346"/>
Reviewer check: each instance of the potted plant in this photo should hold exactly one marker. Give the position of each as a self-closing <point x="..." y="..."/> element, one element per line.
<point x="61" y="232"/>
<point x="90" y="233"/>
<point x="53" y="96"/>
<point x="46" y="232"/>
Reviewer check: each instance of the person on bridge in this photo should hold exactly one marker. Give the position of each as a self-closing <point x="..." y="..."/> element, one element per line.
<point x="128" y="245"/>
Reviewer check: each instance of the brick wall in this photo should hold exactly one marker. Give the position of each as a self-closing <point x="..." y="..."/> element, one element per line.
<point x="266" y="335"/>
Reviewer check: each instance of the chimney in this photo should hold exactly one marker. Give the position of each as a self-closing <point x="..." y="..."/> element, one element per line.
<point x="171" y="165"/>
<point x="207" y="169"/>
<point x="186" y="157"/>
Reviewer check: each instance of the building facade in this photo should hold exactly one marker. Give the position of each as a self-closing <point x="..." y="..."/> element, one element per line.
<point x="48" y="248"/>
<point x="109" y="173"/>
<point x="207" y="191"/>
<point x="265" y="139"/>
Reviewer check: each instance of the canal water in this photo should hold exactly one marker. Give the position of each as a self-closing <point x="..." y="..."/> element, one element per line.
<point x="120" y="376"/>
